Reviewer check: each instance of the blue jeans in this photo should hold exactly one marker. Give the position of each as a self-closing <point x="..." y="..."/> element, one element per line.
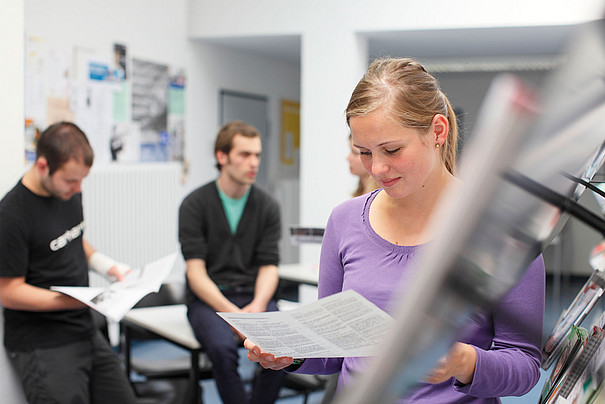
<point x="222" y="346"/>
<point x="83" y="372"/>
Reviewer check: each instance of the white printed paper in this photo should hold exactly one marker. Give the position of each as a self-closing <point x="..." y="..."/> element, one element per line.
<point x="342" y="325"/>
<point x="115" y="300"/>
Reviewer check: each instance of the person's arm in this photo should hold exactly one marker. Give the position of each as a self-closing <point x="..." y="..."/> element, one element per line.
<point x="266" y="255"/>
<point x="16" y="294"/>
<point x="330" y="282"/>
<point x="266" y="360"/>
<point x="264" y="289"/>
<point x="196" y="214"/>
<point x="459" y="363"/>
<point x="103" y="264"/>
<point x="205" y="289"/>
<point x="511" y="367"/>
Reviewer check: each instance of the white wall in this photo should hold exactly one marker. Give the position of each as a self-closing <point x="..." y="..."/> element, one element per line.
<point x="151" y="29"/>
<point x="11" y="138"/>
<point x="333" y="58"/>
<point x="232" y="18"/>
<point x="156" y="31"/>
<point x="213" y="69"/>
<point x="12" y="100"/>
<point x="466" y="90"/>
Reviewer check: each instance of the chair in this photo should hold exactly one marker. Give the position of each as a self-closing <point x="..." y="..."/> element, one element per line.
<point x="157" y="317"/>
<point x="163" y="318"/>
<point x="303" y="385"/>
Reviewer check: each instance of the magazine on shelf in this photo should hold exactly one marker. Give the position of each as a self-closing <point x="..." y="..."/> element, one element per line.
<point x="577" y="384"/>
<point x="600" y="199"/>
<point x="115" y="300"/>
<point x="573" y="344"/>
<point x="597" y="256"/>
<point x="597" y="396"/>
<point x="575" y="313"/>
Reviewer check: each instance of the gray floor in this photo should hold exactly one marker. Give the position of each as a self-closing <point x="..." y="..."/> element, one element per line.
<point x="555" y="303"/>
<point x="173" y="392"/>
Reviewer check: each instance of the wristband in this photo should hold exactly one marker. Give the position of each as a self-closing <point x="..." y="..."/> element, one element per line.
<point x="101" y="263"/>
<point x="295" y="365"/>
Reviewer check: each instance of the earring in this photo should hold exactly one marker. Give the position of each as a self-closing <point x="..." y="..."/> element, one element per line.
<point x="437" y="145"/>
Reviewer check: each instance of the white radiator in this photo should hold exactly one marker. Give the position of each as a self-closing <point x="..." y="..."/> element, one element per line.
<point x="131" y="212"/>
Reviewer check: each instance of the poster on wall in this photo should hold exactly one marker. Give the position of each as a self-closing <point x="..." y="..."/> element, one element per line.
<point x="290" y="136"/>
<point x="130" y="110"/>
<point x="47" y="89"/>
<point x="35" y="96"/>
<point x="119" y="54"/>
<point x="93" y="99"/>
<point x="150" y="83"/>
<point x="176" y="115"/>
<point x="92" y="104"/>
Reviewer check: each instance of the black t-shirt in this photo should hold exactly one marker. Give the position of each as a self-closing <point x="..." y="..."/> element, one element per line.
<point x="232" y="260"/>
<point x="41" y="239"/>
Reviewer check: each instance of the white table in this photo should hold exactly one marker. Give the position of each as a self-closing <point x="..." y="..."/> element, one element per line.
<point x="301" y="273"/>
<point x="168" y="323"/>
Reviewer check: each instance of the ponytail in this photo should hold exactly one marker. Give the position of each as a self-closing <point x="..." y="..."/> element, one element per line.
<point x="448" y="152"/>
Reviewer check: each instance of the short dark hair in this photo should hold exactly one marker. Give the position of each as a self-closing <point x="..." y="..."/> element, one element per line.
<point x="224" y="139"/>
<point x="61" y="142"/>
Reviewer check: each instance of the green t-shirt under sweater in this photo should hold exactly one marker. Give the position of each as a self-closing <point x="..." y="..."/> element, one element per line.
<point x="234" y="208"/>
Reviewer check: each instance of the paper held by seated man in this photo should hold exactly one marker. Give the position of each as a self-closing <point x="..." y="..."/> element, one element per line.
<point x="115" y="300"/>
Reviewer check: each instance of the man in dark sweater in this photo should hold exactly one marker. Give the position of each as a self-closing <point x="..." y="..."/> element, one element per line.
<point x="229" y="231"/>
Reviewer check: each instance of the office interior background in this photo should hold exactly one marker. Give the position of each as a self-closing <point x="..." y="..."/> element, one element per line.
<point x="310" y="52"/>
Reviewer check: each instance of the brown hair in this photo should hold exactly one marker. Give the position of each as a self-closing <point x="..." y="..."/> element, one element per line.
<point x="409" y="95"/>
<point x="61" y="142"/>
<point x="224" y="139"/>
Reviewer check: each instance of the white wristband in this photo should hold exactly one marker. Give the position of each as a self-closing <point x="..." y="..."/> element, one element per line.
<point x="101" y="263"/>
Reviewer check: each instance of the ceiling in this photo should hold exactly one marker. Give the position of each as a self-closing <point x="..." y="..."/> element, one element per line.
<point x="475" y="43"/>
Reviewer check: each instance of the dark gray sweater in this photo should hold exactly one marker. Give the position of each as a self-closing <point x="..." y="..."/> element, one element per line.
<point x="232" y="260"/>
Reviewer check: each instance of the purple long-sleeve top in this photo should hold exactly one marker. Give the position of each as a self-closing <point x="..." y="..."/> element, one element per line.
<point x="508" y="346"/>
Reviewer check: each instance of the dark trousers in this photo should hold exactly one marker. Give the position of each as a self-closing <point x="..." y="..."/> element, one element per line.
<point x="83" y="372"/>
<point x="222" y="346"/>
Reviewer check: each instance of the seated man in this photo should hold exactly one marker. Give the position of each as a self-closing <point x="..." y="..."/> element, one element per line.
<point x="229" y="231"/>
<point x="42" y="245"/>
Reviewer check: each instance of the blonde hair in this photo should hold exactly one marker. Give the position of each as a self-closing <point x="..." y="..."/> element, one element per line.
<point x="365" y="184"/>
<point x="363" y="187"/>
<point x="409" y="95"/>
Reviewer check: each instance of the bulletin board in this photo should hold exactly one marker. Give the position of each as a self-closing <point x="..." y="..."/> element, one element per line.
<point x="130" y="109"/>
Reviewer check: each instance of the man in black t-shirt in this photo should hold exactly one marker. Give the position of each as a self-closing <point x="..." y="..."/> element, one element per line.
<point x="229" y="232"/>
<point x="53" y="344"/>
